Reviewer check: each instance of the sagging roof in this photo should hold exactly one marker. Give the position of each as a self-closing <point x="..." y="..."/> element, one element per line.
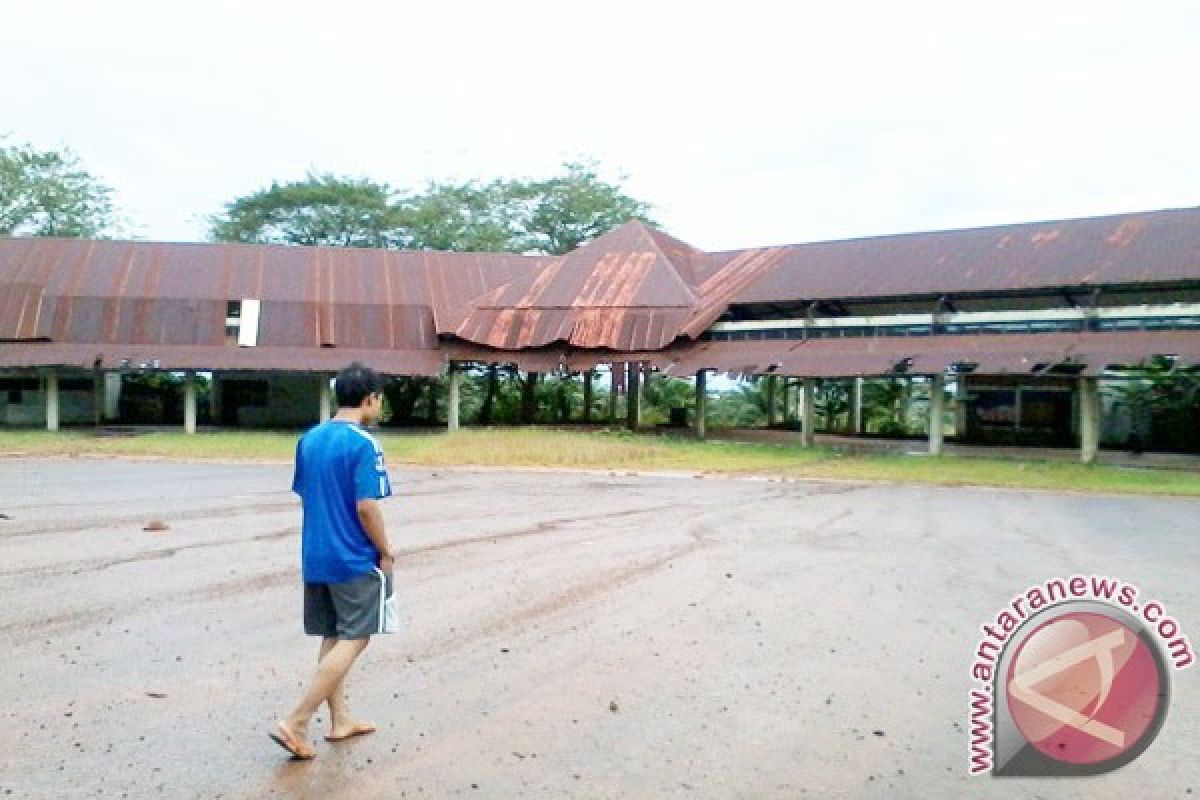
<point x="633" y="291"/>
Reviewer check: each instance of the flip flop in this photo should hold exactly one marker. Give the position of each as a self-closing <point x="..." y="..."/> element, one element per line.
<point x="362" y="729"/>
<point x="288" y="741"/>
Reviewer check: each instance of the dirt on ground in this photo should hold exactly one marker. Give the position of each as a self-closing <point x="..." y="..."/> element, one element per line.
<point x="564" y="634"/>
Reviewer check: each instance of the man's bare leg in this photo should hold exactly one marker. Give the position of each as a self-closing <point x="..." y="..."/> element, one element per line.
<point x="331" y="671"/>
<point x="341" y="722"/>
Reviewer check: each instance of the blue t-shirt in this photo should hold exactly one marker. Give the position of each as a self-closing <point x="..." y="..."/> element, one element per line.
<point x="337" y="464"/>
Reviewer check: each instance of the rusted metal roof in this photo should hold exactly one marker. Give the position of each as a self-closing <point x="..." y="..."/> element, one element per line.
<point x="1146" y="248"/>
<point x="632" y="294"/>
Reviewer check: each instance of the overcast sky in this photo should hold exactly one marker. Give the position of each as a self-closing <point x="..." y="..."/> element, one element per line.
<point x="744" y="123"/>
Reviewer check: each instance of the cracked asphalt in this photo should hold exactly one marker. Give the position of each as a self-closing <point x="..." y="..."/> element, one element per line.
<point x="584" y="635"/>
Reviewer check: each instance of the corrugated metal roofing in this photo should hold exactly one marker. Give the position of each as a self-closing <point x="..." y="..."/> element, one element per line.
<point x="1151" y="247"/>
<point x="633" y="291"/>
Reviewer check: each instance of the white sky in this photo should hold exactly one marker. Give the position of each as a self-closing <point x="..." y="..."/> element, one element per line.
<point x="745" y="123"/>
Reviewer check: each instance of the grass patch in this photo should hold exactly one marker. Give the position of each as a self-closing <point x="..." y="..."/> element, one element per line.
<point x="533" y="447"/>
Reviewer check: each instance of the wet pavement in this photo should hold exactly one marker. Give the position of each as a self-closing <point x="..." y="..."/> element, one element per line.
<point x="564" y="634"/>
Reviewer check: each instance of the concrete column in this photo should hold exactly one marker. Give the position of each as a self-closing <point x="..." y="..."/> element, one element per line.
<point x="960" y="407"/>
<point x="633" y="396"/>
<point x="786" y="401"/>
<point x="51" y="399"/>
<point x="112" y="395"/>
<point x="936" y="402"/>
<point x="587" y="395"/>
<point x="189" y="403"/>
<point x="808" y="413"/>
<point x="701" y="402"/>
<point x="612" y="392"/>
<point x="1089" y="418"/>
<point x="772" y="415"/>
<point x="856" y="398"/>
<point x="452" y="400"/>
<point x="325" y="399"/>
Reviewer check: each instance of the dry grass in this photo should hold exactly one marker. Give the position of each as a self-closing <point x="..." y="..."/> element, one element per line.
<point x="532" y="447"/>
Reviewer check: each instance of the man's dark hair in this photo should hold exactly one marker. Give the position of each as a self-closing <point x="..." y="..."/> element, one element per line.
<point x="355" y="383"/>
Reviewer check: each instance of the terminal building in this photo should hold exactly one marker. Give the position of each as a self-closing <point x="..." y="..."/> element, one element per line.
<point x="1021" y="321"/>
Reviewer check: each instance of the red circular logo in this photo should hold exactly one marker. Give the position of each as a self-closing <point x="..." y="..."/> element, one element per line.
<point x="1083" y="688"/>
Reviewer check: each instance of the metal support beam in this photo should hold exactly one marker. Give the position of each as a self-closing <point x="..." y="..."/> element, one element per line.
<point x="588" y="376"/>
<point x="323" y="394"/>
<point x="452" y="402"/>
<point x="701" y="402"/>
<point x="189" y="403"/>
<point x="51" y="399"/>
<point x="633" y="399"/>
<point x="937" y="384"/>
<point x="786" y="400"/>
<point x="808" y="413"/>
<point x="1089" y="419"/>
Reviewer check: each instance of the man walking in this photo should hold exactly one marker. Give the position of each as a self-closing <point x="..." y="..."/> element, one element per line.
<point x="347" y="561"/>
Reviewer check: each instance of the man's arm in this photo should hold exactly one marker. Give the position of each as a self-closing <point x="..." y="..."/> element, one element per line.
<point x="371" y="517"/>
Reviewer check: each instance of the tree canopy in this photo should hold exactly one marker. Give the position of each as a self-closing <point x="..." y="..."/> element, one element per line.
<point x="48" y="193"/>
<point x="322" y="209"/>
<point x="551" y="216"/>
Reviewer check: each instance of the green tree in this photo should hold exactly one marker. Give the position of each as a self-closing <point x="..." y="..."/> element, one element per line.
<point x="322" y="209"/>
<point x="573" y="208"/>
<point x="48" y="193"/>
<point x="551" y="216"/>
<point x="468" y="217"/>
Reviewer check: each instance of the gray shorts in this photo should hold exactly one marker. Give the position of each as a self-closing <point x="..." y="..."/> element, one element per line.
<point x="353" y="609"/>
